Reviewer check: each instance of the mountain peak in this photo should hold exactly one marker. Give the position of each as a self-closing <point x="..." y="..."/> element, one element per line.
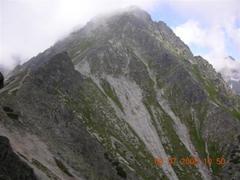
<point x="130" y="12"/>
<point x="230" y="58"/>
<point x="138" y="12"/>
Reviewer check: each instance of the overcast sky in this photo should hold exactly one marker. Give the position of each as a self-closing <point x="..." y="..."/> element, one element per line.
<point x="210" y="28"/>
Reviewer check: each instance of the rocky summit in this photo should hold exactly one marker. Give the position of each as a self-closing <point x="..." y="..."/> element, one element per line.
<point x="121" y="98"/>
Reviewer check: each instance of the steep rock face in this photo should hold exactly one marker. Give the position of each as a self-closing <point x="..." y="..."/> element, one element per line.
<point x="128" y="46"/>
<point x="39" y="105"/>
<point x="138" y="94"/>
<point x="11" y="167"/>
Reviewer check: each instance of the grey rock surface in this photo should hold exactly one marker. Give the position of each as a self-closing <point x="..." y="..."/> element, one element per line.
<point x="11" y="166"/>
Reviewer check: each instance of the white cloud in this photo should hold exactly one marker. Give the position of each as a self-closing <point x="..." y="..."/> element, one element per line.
<point x="233" y="31"/>
<point x="213" y="39"/>
<point x="210" y="38"/>
<point x="193" y="33"/>
<point x="214" y="26"/>
<point x="231" y="69"/>
<point x="213" y="11"/>
<point x="30" y="26"/>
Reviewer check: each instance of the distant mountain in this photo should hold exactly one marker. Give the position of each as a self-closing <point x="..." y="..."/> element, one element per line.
<point x="235" y="85"/>
<point x="3" y="70"/>
<point x="231" y="73"/>
<point x="231" y="58"/>
<point x="114" y="98"/>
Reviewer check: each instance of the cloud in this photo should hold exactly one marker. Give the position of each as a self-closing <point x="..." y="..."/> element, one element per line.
<point x="213" y="11"/>
<point x="210" y="38"/>
<point x="214" y="29"/>
<point x="29" y="27"/>
<point x="233" y="31"/>
<point x="214" y="39"/>
<point x="193" y="33"/>
<point x="231" y="69"/>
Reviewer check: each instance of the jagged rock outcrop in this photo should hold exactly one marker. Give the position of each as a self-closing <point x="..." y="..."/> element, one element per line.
<point x="133" y="92"/>
<point x="47" y="90"/>
<point x="11" y="166"/>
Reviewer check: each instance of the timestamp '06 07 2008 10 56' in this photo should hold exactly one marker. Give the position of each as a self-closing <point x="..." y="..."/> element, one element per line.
<point x="190" y="161"/>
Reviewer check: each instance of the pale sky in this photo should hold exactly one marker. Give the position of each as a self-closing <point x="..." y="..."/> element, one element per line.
<point x="210" y="28"/>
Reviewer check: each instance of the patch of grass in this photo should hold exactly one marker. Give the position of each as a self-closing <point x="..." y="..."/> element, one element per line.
<point x="198" y="141"/>
<point x="178" y="149"/>
<point x="44" y="169"/>
<point x="236" y="114"/>
<point x="197" y="73"/>
<point x="211" y="89"/>
<point x="111" y="93"/>
<point x="13" y="116"/>
<point x="83" y="45"/>
<point x="214" y="154"/>
<point x="121" y="172"/>
<point x="10" y="113"/>
<point x="209" y="86"/>
<point x="63" y="167"/>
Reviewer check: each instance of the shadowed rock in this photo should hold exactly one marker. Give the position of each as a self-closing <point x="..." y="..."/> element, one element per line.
<point x="11" y="166"/>
<point x="1" y="80"/>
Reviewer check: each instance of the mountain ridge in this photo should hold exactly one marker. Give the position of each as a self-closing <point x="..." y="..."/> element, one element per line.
<point x="135" y="92"/>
